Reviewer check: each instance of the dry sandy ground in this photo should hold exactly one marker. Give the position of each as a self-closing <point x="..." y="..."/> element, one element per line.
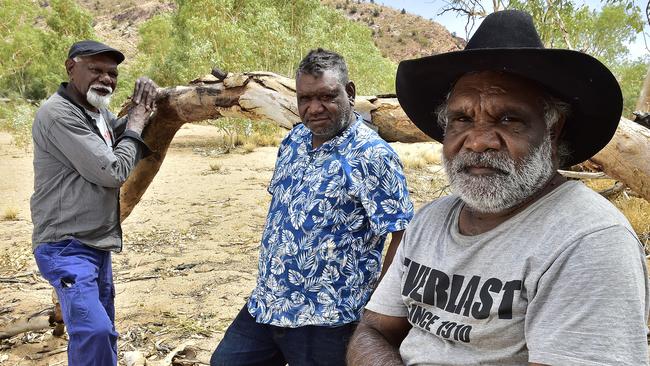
<point x="190" y="253"/>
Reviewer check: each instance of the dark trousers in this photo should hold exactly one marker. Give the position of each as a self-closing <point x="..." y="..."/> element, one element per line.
<point x="248" y="343"/>
<point x="83" y="279"/>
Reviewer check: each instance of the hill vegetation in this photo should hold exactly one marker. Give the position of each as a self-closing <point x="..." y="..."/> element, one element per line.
<point x="177" y="41"/>
<point x="398" y="34"/>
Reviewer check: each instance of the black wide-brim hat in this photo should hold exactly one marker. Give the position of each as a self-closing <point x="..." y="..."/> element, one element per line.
<point x="507" y="41"/>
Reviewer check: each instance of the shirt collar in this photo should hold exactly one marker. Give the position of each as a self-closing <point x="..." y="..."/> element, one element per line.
<point x="90" y="120"/>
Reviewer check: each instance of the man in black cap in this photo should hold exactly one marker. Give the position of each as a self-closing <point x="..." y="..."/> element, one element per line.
<point x="518" y="266"/>
<point x="82" y="155"/>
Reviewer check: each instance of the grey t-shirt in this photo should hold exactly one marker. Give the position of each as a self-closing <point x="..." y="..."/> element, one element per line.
<point x="563" y="282"/>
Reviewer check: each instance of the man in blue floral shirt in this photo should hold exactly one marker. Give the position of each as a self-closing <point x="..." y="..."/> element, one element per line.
<point x="338" y="190"/>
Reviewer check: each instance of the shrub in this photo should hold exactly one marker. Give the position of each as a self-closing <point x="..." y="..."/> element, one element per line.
<point x="16" y="118"/>
<point x="10" y="214"/>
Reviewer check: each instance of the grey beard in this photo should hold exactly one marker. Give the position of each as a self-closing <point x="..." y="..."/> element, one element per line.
<point x="514" y="182"/>
<point x="97" y="100"/>
<point x="342" y="124"/>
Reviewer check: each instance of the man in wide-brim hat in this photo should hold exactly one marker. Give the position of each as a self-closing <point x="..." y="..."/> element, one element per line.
<point x="518" y="266"/>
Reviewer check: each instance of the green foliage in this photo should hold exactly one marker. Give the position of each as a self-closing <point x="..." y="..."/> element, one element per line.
<point x="602" y="34"/>
<point x="630" y="75"/>
<point x="32" y="53"/>
<point x="16" y="118"/>
<point x="269" y="35"/>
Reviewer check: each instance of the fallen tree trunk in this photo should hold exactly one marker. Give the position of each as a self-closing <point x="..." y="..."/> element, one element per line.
<point x="271" y="97"/>
<point x="254" y="95"/>
<point x="34" y="322"/>
<point x="627" y="157"/>
<point x="44" y="319"/>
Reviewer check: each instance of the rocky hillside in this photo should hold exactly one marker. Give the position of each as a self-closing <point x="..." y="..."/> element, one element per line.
<point x="398" y="36"/>
<point x="117" y="21"/>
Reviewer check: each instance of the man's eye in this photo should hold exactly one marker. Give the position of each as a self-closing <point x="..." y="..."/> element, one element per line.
<point x="509" y="119"/>
<point x="326" y="98"/>
<point x="463" y="119"/>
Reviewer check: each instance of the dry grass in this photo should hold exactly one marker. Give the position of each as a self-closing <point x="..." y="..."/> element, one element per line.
<point x="418" y="156"/>
<point x="413" y="162"/>
<point x="10" y="214"/>
<point x="267" y="139"/>
<point x="635" y="209"/>
<point x="215" y="167"/>
<point x="249" y="147"/>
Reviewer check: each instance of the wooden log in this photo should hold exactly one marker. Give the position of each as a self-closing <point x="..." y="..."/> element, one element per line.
<point x="44" y="319"/>
<point x="254" y="95"/>
<point x="271" y="97"/>
<point x="38" y="321"/>
<point x="627" y="157"/>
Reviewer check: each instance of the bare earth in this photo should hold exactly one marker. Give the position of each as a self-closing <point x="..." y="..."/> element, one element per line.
<point x="190" y="252"/>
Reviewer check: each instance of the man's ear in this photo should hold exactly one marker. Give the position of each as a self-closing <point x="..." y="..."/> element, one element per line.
<point x="69" y="64"/>
<point x="351" y="91"/>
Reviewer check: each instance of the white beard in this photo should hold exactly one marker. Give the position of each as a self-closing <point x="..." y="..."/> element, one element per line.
<point x="514" y="182"/>
<point x="97" y="100"/>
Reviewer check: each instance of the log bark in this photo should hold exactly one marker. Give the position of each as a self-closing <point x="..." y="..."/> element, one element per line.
<point x="271" y="97"/>
<point x="627" y="157"/>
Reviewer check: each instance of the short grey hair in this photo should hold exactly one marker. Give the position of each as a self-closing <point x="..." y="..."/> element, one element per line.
<point x="555" y="110"/>
<point x="320" y="60"/>
<point x="441" y="112"/>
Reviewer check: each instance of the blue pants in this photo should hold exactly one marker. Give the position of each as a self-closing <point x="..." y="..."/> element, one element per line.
<point x="83" y="279"/>
<point x="248" y="343"/>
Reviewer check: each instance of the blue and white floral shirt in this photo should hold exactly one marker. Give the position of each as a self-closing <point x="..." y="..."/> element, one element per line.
<point x="331" y="210"/>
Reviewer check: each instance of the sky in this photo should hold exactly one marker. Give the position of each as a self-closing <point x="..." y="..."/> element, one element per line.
<point x="430" y="8"/>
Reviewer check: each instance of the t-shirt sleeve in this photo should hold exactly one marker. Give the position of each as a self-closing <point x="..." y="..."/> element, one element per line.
<point x="591" y="305"/>
<point x="383" y="191"/>
<point x="387" y="298"/>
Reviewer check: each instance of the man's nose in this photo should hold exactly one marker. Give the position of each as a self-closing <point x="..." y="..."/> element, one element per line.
<point x="105" y="79"/>
<point x="482" y="138"/>
<point x="315" y="106"/>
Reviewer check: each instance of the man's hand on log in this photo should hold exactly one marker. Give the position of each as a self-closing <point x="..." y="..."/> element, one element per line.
<point x="144" y="101"/>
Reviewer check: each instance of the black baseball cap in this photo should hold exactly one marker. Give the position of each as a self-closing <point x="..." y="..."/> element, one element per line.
<point x="89" y="48"/>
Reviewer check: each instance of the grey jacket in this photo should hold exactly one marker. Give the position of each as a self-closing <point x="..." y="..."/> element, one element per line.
<point x="77" y="176"/>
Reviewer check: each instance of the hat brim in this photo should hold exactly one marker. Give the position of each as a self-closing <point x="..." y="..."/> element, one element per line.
<point x="574" y="77"/>
<point x="117" y="55"/>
